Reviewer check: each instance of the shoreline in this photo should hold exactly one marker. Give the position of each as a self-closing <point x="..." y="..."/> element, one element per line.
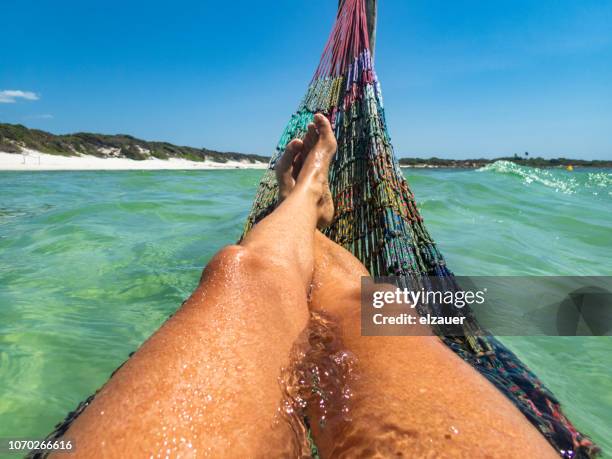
<point x="32" y="160"/>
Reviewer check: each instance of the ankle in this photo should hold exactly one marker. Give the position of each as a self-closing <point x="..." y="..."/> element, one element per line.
<point x="311" y="187"/>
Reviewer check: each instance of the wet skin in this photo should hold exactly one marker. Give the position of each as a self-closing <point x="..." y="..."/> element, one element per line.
<point x="413" y="397"/>
<point x="206" y="383"/>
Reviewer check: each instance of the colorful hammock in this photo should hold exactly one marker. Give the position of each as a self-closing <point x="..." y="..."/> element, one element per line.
<point x="378" y="221"/>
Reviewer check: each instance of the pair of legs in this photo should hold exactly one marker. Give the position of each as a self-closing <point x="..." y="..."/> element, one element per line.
<point x="206" y="383"/>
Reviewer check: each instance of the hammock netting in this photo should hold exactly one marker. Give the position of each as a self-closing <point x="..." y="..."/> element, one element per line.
<point x="378" y="221"/>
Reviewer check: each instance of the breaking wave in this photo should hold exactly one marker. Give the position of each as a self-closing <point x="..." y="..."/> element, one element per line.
<point x="596" y="183"/>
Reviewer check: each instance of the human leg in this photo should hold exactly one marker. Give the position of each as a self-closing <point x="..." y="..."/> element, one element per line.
<point x="412" y="396"/>
<point x="206" y="382"/>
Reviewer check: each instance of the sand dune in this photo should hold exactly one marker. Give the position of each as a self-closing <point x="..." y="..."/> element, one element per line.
<point x="32" y="160"/>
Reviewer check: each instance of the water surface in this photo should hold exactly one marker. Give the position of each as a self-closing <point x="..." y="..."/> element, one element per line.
<point x="91" y="263"/>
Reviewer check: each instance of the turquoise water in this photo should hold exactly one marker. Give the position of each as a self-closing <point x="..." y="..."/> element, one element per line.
<point x="91" y="263"/>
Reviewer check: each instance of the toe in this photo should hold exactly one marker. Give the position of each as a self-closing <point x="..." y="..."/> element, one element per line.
<point x="298" y="162"/>
<point x="311" y="137"/>
<point x="284" y="167"/>
<point x="294" y="148"/>
<point x="286" y="161"/>
<point x="322" y="124"/>
<point x="326" y="134"/>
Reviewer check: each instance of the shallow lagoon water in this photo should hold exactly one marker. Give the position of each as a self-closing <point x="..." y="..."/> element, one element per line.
<point x="91" y="263"/>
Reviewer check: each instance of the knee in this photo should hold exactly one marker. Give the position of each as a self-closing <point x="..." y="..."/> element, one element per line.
<point x="231" y="254"/>
<point x="232" y="259"/>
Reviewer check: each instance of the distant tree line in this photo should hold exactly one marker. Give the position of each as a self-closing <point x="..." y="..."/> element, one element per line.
<point x="522" y="160"/>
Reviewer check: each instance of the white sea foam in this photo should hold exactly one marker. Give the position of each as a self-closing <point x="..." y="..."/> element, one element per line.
<point x="557" y="179"/>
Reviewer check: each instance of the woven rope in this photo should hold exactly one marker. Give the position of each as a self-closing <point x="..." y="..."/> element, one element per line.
<point x="378" y="221"/>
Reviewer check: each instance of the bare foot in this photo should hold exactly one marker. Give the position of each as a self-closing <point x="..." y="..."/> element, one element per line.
<point x="286" y="168"/>
<point x="307" y="163"/>
<point x="319" y="148"/>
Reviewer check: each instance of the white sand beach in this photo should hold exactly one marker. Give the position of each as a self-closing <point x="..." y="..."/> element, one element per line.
<point x="32" y="160"/>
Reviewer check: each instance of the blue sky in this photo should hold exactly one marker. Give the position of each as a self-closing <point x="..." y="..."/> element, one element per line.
<point x="460" y="78"/>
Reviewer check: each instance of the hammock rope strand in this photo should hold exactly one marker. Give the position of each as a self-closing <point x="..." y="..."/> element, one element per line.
<point x="377" y="218"/>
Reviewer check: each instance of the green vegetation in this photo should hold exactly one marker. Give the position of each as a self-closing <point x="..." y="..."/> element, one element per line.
<point x="15" y="137"/>
<point x="480" y="162"/>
